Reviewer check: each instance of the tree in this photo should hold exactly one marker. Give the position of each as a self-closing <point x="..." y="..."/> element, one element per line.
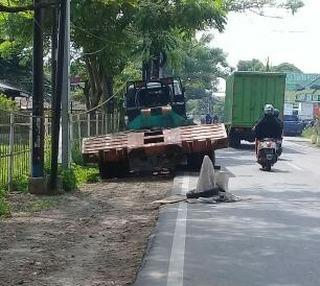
<point x="199" y="67"/>
<point x="162" y="24"/>
<point x="251" y="65"/>
<point x="107" y="35"/>
<point x="24" y="7"/>
<point x="286" y="68"/>
<point x="100" y="30"/>
<point x="259" y="5"/>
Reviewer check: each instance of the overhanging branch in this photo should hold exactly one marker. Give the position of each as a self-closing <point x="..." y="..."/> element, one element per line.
<point x="17" y="9"/>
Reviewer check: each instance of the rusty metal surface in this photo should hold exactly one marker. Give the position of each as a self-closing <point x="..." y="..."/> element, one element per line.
<point x="116" y="147"/>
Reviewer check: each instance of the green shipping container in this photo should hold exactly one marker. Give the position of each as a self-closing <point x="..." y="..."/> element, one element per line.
<point x="246" y="95"/>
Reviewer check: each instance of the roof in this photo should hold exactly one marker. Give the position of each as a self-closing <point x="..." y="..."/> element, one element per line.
<point x="300" y="81"/>
<point x="12" y="91"/>
<point x="259" y="73"/>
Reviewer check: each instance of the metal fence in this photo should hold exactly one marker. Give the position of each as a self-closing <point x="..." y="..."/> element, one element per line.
<point x="16" y="136"/>
<point x="14" y="146"/>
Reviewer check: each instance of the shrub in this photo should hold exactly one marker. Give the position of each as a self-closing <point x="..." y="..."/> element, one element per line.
<point x="4" y="205"/>
<point x="21" y="184"/>
<point x="78" y="175"/>
<point x="308" y="132"/>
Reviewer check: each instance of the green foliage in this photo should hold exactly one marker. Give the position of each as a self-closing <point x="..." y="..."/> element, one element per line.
<point x="159" y="22"/>
<point x="259" y="5"/>
<point x="32" y="204"/>
<point x="76" y="155"/>
<point x="69" y="180"/>
<point x="286" y="68"/>
<point x="6" y="103"/>
<point x="77" y="175"/>
<point x="21" y="184"/>
<point x="252" y="65"/>
<point x="4" y="205"/>
<point x="41" y="204"/>
<point x="308" y="132"/>
<point x="199" y="66"/>
<point x="257" y="65"/>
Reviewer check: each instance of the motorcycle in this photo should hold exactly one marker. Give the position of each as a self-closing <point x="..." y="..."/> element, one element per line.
<point x="279" y="147"/>
<point x="267" y="153"/>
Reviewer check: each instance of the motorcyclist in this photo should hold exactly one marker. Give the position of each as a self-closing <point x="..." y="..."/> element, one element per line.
<point x="279" y="142"/>
<point x="276" y="115"/>
<point x="268" y="126"/>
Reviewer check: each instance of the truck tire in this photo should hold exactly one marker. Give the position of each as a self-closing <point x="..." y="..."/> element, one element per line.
<point x="111" y="170"/>
<point x="234" y="141"/>
<point x="194" y="160"/>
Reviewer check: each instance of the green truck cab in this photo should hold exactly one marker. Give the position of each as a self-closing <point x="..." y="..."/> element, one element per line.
<point x="246" y="95"/>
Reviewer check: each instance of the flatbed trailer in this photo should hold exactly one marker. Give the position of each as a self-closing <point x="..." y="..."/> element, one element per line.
<point x="154" y="150"/>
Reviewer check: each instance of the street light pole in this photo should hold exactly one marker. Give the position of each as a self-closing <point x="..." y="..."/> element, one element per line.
<point x="37" y="183"/>
<point x="56" y="114"/>
<point x="66" y="146"/>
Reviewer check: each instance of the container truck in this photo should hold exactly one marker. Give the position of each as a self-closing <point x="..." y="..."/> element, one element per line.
<point x="246" y="95"/>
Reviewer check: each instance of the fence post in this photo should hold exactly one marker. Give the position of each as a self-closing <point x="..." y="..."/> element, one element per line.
<point x="89" y="125"/>
<point x="105" y="124"/>
<point x="11" y="147"/>
<point x="30" y="143"/>
<point x="97" y="123"/>
<point x="71" y="132"/>
<point x="79" y="128"/>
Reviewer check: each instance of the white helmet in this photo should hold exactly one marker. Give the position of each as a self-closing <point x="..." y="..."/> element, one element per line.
<point x="268" y="109"/>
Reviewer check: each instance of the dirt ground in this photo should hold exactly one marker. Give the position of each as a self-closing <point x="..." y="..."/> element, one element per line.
<point x="96" y="236"/>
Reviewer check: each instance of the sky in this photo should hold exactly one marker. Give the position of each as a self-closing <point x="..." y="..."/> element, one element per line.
<point x="290" y="38"/>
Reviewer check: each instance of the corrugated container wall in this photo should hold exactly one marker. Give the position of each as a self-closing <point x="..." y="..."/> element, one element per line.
<point x="248" y="92"/>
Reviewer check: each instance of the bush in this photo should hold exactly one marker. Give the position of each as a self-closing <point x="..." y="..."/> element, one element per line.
<point x="4" y="206"/>
<point x="6" y="103"/>
<point x="308" y="132"/>
<point x="76" y="155"/>
<point x="78" y="175"/>
<point x="69" y="180"/>
<point x="21" y="184"/>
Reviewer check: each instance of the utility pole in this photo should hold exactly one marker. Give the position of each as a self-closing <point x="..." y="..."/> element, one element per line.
<point x="56" y="114"/>
<point x="66" y="146"/>
<point x="37" y="182"/>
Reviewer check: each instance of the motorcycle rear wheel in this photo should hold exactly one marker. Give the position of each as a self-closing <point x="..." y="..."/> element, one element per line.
<point x="267" y="167"/>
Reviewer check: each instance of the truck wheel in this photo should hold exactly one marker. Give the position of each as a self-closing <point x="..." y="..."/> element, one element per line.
<point x="234" y="141"/>
<point x="195" y="160"/>
<point x="111" y="170"/>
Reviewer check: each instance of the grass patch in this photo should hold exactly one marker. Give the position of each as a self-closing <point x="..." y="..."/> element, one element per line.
<point x="43" y="203"/>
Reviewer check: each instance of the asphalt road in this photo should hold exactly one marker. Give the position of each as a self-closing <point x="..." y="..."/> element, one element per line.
<point x="270" y="238"/>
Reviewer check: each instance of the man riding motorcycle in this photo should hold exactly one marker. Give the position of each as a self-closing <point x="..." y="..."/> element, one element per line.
<point x="276" y="115"/>
<point x="279" y="142"/>
<point x="268" y="126"/>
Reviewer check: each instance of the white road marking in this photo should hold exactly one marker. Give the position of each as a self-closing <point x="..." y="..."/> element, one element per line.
<point x="294" y="166"/>
<point x="176" y="262"/>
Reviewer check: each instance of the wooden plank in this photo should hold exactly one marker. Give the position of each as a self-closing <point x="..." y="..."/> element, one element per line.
<point x="135" y="139"/>
<point x="172" y="135"/>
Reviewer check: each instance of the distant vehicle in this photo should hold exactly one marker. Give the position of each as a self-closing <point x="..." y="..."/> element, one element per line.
<point x="292" y="125"/>
<point x="307" y="123"/>
<point x="246" y="95"/>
